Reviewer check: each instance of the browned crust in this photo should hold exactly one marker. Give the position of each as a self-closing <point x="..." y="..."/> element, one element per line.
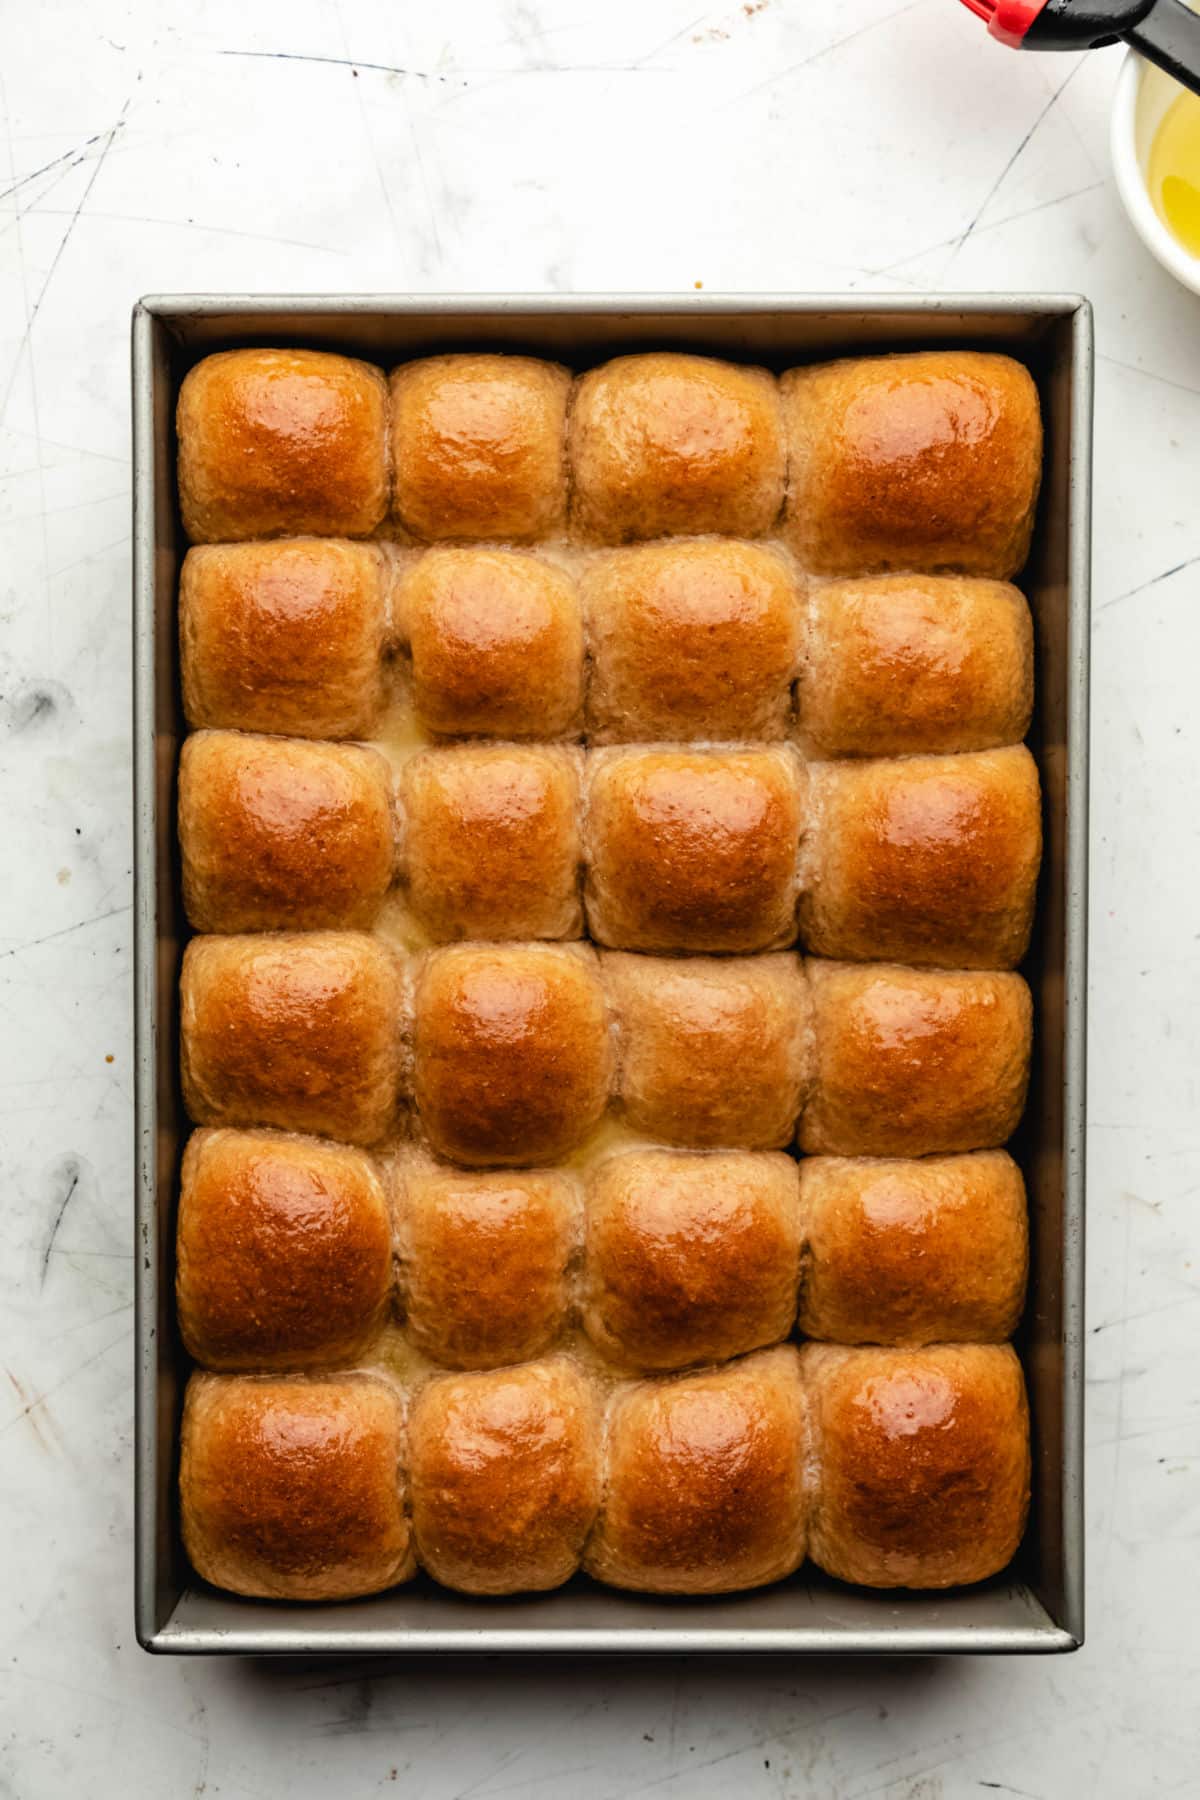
<point x="273" y="443"/>
<point x="913" y="1252"/>
<point x="478" y="447"/>
<point x="283" y="1251"/>
<point x="291" y="1487"/>
<point x="706" y="1487"/>
<point x="923" y="1459"/>
<point x="926" y="461"/>
<point x="505" y="1477"/>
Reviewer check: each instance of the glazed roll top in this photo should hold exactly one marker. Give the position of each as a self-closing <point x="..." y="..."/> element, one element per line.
<point x="478" y="447"/>
<point x="296" y="1030"/>
<point x="666" y="444"/>
<point x="690" y="639"/>
<point x="707" y="1486"/>
<point x="922" y="1460"/>
<point x="496" y="644"/>
<point x="693" y="849"/>
<point x="513" y="1058"/>
<point x="491" y="841"/>
<point x="930" y="461"/>
<point x="285" y="637"/>
<point x="905" y="664"/>
<point x="283" y="1251"/>
<point x="292" y="1487"/>
<point x="280" y="442"/>
<point x="714" y="1051"/>
<point x="913" y="1062"/>
<point x="913" y="1252"/>
<point x="925" y="859"/>
<point x="506" y="1476"/>
<point x="690" y="1257"/>
<point x="283" y="834"/>
<point x="484" y="1259"/>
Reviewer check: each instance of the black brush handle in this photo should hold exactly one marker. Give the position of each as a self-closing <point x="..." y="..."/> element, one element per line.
<point x="1169" y="35"/>
<point x="1165" y="31"/>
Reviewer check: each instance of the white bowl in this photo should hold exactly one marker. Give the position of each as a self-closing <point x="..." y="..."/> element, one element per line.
<point x="1142" y="98"/>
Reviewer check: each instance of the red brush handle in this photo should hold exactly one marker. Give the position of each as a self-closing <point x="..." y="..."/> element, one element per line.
<point x="1007" y="20"/>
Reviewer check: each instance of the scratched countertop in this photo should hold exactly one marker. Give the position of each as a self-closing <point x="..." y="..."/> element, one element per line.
<point x="558" y="145"/>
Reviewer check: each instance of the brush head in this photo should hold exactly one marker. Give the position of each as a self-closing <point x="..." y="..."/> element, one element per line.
<point x="1007" y="20"/>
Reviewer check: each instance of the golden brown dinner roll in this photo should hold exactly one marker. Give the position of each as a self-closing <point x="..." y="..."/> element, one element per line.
<point x="286" y="637"/>
<point x="291" y="1487"/>
<point x="924" y="859"/>
<point x="900" y="664"/>
<point x="922" y="1462"/>
<point x="497" y="644"/>
<point x="714" y="1051"/>
<point x="692" y="639"/>
<point x="910" y="1062"/>
<point x="274" y="442"/>
<point x="513" y="1062"/>
<point x="490" y="841"/>
<point x="297" y="1030"/>
<point x="478" y="447"/>
<point x="693" y="849"/>
<point x="483" y="1259"/>
<point x="665" y="444"/>
<point x="505" y="1477"/>
<point x="925" y="461"/>
<point x="282" y="832"/>
<point x="706" y="1490"/>
<point x="919" y="1252"/>
<point x="690" y="1256"/>
<point x="284" y="1251"/>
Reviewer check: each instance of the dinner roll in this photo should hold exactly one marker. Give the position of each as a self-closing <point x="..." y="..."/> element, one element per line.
<point x="690" y="1256"/>
<point x="483" y="1259"/>
<point x="505" y="1477"/>
<point x="301" y="1031"/>
<point x="691" y="639"/>
<point x="706" y="1490"/>
<point x="290" y="1488"/>
<point x="714" y="1051"/>
<point x="490" y="841"/>
<point x="278" y="442"/>
<point x="910" y="1062"/>
<point x="281" y="832"/>
<point x="512" y="1056"/>
<point x="906" y="663"/>
<point x="930" y="460"/>
<point x="496" y="638"/>
<point x="693" y="849"/>
<point x="913" y="1252"/>
<point x="286" y="637"/>
<point x="478" y="447"/>
<point x="925" y="859"/>
<point x="665" y="444"/>
<point x="283" y="1251"/>
<point x="922" y="1459"/>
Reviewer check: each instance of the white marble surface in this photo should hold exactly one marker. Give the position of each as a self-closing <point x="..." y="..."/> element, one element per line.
<point x="553" y="144"/>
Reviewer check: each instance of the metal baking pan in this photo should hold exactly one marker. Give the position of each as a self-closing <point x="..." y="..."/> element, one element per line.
<point x="1038" y="1604"/>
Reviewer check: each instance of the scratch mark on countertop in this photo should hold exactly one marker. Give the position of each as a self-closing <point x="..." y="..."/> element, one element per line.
<point x="74" y="157"/>
<point x="341" y="62"/>
<point x="1025" y="212"/>
<point x="109" y="138"/>
<point x="1016" y="156"/>
<point x="67" y="1177"/>
<point x="66" y="930"/>
<point x="828" y="49"/>
<point x="39" y="1400"/>
<point x="1165" y="575"/>
<point x="1147" y="374"/>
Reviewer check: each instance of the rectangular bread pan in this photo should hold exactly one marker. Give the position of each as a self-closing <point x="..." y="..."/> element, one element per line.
<point x="1038" y="1604"/>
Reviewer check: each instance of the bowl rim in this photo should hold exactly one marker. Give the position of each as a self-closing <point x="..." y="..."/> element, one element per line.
<point x="1131" y="178"/>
